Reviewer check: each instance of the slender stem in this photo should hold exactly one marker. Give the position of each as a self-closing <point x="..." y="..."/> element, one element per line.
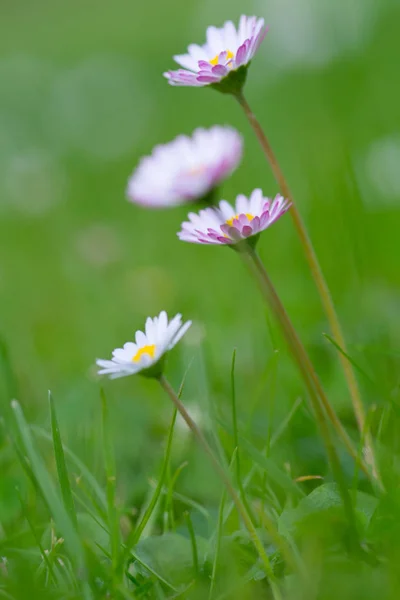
<point x="318" y="276"/>
<point x="192" y="535"/>
<point x="239" y="482"/>
<point x="316" y="391"/>
<point x="320" y="402"/>
<point x="220" y="526"/>
<point x="228" y="484"/>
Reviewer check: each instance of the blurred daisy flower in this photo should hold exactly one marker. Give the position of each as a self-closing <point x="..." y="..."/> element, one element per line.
<point x="146" y="354"/>
<point x="231" y="224"/>
<point x="186" y="169"/>
<point x="223" y="60"/>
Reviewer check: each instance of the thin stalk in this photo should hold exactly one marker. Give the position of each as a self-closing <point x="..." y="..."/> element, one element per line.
<point x="239" y="482"/>
<point x="320" y="402"/>
<point x="316" y="391"/>
<point x="317" y="274"/>
<point x="192" y="535"/>
<point x="113" y="516"/>
<point x="220" y="526"/>
<point x="228" y="484"/>
<point x="134" y="537"/>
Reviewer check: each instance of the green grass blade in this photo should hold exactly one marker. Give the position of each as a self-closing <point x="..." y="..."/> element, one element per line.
<point x="37" y="539"/>
<point x="349" y="358"/>
<point x="239" y="482"/>
<point x="153" y="572"/>
<point x="220" y="528"/>
<point x="82" y="468"/>
<point x="283" y="426"/>
<point x="275" y="474"/>
<point x="9" y="377"/>
<point x="185" y="500"/>
<point x="192" y="535"/>
<point x="62" y="471"/>
<point x="53" y="501"/>
<point x="134" y="537"/>
<point x="113" y="517"/>
<point x="171" y="487"/>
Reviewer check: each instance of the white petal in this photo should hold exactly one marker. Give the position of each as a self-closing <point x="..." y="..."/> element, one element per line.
<point x="227" y="210"/>
<point x="149" y="328"/>
<point x="105" y="364"/>
<point x="242" y="205"/>
<point x="214" y="40"/>
<point x="141" y="339"/>
<point x="198" y="52"/>
<point x="230" y="37"/>
<point x="171" y="330"/>
<point x="256" y="203"/>
<point x="180" y="333"/>
<point x="162" y="323"/>
<point x="130" y="348"/>
<point x="186" y="61"/>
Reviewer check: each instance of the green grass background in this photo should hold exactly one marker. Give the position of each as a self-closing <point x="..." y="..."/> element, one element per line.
<point x="82" y="98"/>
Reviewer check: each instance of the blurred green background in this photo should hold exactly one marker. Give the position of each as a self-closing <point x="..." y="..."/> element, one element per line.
<point x="82" y="98"/>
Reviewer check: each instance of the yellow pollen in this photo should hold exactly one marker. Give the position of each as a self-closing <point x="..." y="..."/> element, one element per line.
<point x="149" y="350"/>
<point x="230" y="221"/>
<point x="214" y="61"/>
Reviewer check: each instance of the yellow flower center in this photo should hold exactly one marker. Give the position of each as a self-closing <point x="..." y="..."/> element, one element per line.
<point x="214" y="61"/>
<point x="149" y="350"/>
<point x="230" y="221"/>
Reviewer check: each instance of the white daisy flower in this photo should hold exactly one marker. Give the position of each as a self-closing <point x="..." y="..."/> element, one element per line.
<point x="146" y="353"/>
<point x="227" y="49"/>
<point x="186" y="169"/>
<point x="229" y="224"/>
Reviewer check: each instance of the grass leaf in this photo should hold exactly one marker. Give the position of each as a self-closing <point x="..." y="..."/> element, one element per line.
<point x="62" y="471"/>
<point x="56" y="506"/>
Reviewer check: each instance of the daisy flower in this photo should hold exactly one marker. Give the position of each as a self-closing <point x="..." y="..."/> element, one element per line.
<point x="186" y="169"/>
<point x="231" y="224"/>
<point x="223" y="59"/>
<point x="145" y="354"/>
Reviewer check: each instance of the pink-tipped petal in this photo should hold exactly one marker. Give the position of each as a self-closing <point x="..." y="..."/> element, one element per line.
<point x="219" y="70"/>
<point x="221" y="44"/>
<point x="247" y="231"/>
<point x="234" y="226"/>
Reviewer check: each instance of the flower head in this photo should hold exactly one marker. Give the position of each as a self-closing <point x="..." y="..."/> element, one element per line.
<point x="223" y="59"/>
<point x="146" y="353"/>
<point x="231" y="224"/>
<point x="186" y="169"/>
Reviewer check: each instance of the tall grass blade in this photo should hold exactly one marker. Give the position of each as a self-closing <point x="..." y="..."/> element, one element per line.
<point x="56" y="506"/>
<point x="113" y="517"/>
<point x="82" y="468"/>
<point x="62" y="471"/>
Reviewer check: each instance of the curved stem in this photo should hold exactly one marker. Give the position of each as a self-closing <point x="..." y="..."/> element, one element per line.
<point x="227" y="483"/>
<point x="318" y="276"/>
<point x="318" y="397"/>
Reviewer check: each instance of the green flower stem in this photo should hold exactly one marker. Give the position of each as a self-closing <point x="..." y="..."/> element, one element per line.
<point x="318" y="276"/>
<point x="323" y="410"/>
<point x="318" y="397"/>
<point x="227" y="483"/>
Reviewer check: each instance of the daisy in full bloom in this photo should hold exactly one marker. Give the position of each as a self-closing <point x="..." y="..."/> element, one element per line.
<point x="227" y="50"/>
<point x="186" y="169"/>
<point x="231" y="224"/>
<point x="145" y="354"/>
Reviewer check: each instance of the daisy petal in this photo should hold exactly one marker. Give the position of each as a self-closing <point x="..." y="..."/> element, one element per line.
<point x="225" y="46"/>
<point x="229" y="224"/>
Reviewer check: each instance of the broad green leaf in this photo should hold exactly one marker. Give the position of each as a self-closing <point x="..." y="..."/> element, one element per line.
<point x="324" y="505"/>
<point x="170" y="555"/>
